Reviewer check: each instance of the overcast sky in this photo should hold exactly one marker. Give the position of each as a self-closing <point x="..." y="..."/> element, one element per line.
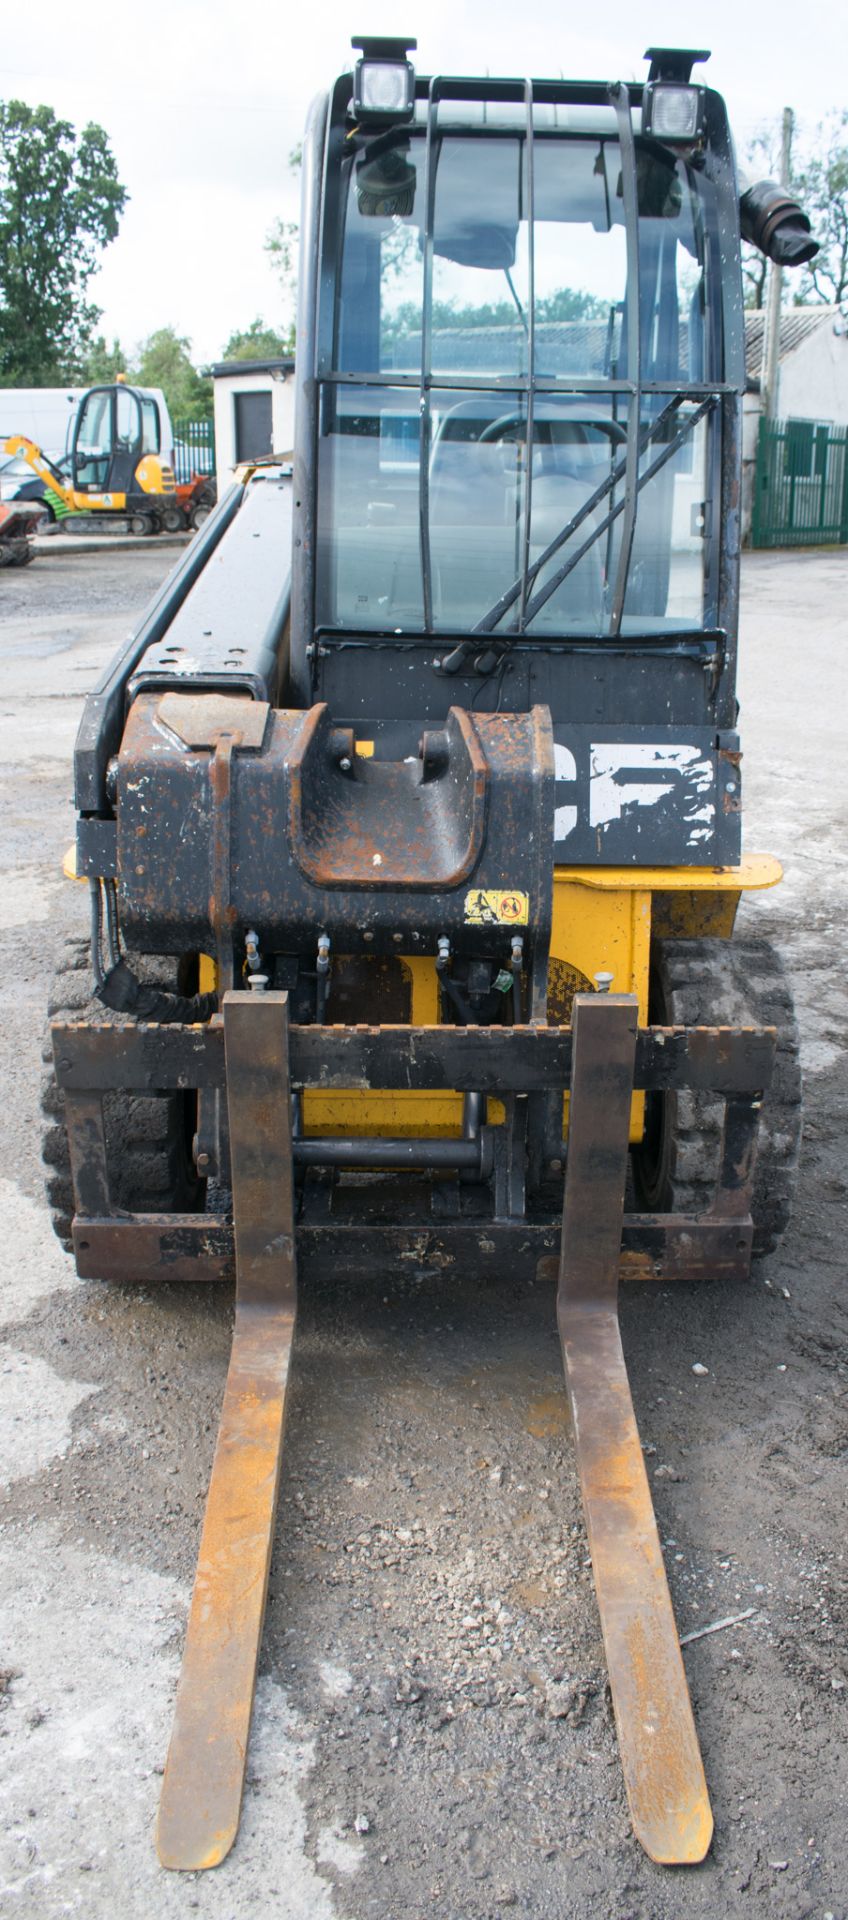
<point x="203" y="100"/>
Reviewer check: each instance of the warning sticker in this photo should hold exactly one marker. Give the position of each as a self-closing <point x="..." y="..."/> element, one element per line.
<point x="496" y="907"/>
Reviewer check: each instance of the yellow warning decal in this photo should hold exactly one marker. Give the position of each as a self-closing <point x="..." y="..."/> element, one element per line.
<point x="496" y="907"/>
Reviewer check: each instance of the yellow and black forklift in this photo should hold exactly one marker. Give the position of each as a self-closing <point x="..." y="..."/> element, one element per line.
<point x="412" y="820"/>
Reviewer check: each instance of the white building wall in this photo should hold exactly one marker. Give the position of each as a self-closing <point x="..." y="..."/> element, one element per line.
<point x="814" y="378"/>
<point x="226" y="386"/>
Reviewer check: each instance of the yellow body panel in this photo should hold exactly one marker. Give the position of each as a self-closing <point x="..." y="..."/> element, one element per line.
<point x="603" y="919"/>
<point x="152" y="475"/>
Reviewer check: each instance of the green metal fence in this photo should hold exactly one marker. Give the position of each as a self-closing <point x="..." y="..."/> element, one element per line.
<point x="194" y="449"/>
<point x="801" y="486"/>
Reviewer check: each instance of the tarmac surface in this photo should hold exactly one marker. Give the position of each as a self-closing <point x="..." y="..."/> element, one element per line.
<point x="432" y="1734"/>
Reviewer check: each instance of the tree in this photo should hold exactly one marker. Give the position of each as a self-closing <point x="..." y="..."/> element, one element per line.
<point x="257" y="342"/>
<point x="567" y="303"/>
<point x="282" y="246"/>
<point x="761" y="161"/>
<point x="822" y="186"/>
<point x="103" y="363"/>
<point x="819" y="182"/>
<point x="164" y="360"/>
<point x="60" y="205"/>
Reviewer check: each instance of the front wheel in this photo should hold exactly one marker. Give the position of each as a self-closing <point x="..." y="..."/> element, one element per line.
<point x="722" y="983"/>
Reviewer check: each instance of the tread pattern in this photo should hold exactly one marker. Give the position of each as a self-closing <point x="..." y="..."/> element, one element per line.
<point x="725" y="983"/>
<point x="150" y="1168"/>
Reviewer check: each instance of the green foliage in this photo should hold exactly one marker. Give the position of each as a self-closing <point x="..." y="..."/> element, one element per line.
<point x="819" y="181"/>
<point x="60" y="205"/>
<point x="102" y="363"/>
<point x="164" y="360"/>
<point x="822" y="186"/>
<point x="258" y="342"/>
<point x="281" y="246"/>
<point x="568" y="303"/>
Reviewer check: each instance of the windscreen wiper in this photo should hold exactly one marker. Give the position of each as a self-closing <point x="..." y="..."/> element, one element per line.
<point x="541" y="598"/>
<point x="490" y="620"/>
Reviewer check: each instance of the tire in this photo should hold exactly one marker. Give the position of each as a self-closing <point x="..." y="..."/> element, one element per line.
<point x="174" y="520"/>
<point x="142" y="524"/>
<point x="16" y="553"/>
<point x="722" y="983"/>
<point x="199" y="514"/>
<point x="148" y="1137"/>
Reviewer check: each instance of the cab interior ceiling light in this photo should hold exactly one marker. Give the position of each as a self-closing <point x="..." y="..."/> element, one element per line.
<point x="383" y="79"/>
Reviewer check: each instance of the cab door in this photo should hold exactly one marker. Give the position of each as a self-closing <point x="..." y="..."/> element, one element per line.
<point x="127" y="444"/>
<point x="91" y="452"/>
<point x="107" y="442"/>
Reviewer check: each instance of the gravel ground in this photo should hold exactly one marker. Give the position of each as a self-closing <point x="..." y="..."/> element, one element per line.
<point x="432" y="1731"/>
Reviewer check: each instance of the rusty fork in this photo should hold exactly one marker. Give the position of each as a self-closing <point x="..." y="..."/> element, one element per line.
<point x="661" y="1760"/>
<point x="204" y="1776"/>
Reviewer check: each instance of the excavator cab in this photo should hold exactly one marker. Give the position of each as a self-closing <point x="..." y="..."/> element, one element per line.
<point x="421" y="779"/>
<point x="115" y="427"/>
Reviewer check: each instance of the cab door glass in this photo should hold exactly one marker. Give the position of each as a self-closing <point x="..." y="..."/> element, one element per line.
<point x="150" y="437"/>
<point x="93" y="445"/>
<point x="128" y="424"/>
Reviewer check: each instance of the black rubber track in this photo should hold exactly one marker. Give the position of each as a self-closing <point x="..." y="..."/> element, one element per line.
<point x="148" y="1137"/>
<point x="722" y="983"/>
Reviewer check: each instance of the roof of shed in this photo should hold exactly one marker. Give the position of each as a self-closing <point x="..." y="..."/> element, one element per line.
<point x="220" y="368"/>
<point x="796" y="324"/>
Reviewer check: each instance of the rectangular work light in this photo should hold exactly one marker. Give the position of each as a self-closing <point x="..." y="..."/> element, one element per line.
<point x="383" y="80"/>
<point x="672" y="113"/>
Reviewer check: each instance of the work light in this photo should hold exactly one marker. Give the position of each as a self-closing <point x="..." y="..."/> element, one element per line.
<point x="673" y="114"/>
<point x="383" y="80"/>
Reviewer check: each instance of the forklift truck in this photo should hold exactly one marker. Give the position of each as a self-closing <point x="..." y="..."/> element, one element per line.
<point x="411" y="818"/>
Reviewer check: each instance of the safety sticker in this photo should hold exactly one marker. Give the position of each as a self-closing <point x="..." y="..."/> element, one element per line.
<point x="496" y="907"/>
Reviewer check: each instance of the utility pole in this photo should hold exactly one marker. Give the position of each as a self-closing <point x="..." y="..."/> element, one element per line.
<point x="770" y="373"/>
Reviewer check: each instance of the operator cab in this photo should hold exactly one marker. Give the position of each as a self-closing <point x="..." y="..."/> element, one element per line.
<point x="527" y="375"/>
<point x="116" y="426"/>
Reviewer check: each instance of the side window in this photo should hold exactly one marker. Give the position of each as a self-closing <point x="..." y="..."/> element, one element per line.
<point x="94" y="432"/>
<point x="150" y="436"/>
<point x="127" y="421"/>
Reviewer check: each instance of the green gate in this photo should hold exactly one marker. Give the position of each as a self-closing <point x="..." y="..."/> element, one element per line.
<point x="801" y="486"/>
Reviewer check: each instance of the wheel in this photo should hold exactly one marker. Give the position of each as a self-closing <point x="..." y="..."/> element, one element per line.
<point x="148" y="1137"/>
<point x="173" y="520"/>
<point x="722" y="983"/>
<point x="199" y="513"/>
<point x="142" y="524"/>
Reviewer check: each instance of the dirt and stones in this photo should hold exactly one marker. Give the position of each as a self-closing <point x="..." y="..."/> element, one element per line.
<point x="433" y="1733"/>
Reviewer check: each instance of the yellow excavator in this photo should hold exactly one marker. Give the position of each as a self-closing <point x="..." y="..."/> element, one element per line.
<point x="116" y="475"/>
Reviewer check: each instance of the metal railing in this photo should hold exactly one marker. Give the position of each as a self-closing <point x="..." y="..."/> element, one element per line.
<point x="801" y="484"/>
<point x="194" y="449"/>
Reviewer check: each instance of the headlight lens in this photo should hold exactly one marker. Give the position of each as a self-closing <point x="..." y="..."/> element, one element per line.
<point x="675" y="112"/>
<point x="383" y="86"/>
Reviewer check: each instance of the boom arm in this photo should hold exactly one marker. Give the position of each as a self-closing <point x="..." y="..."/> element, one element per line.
<point x="18" y="443"/>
